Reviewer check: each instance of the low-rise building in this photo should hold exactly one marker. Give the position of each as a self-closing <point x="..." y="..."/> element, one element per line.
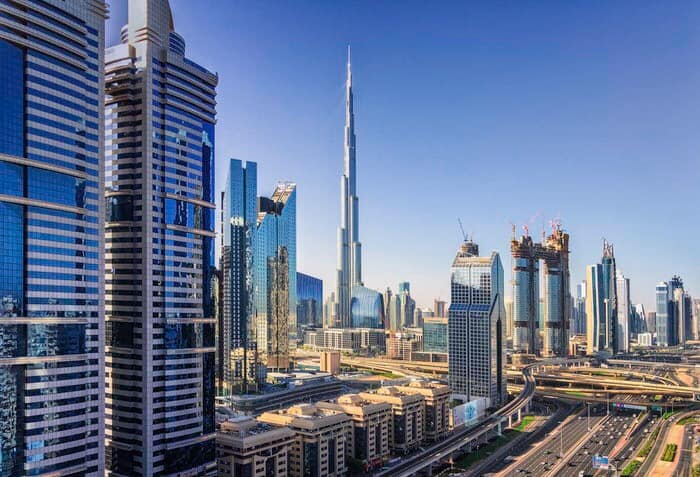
<point x="330" y="362"/>
<point x="436" y="422"/>
<point x="245" y="446"/>
<point x="408" y="412"/>
<point x="402" y="346"/>
<point x="370" y="427"/>
<point x="644" y="339"/>
<point x="323" y="439"/>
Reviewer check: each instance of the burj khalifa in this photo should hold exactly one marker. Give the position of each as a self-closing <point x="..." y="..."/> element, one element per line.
<point x="349" y="246"/>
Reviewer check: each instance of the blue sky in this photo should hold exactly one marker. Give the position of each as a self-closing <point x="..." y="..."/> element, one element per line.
<point x="494" y="112"/>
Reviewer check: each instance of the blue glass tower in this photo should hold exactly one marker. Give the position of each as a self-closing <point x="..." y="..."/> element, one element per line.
<point x="51" y="261"/>
<point x="609" y="289"/>
<point x="239" y="226"/>
<point x="309" y="300"/>
<point x="366" y="308"/>
<point x="275" y="275"/>
<point x="160" y="113"/>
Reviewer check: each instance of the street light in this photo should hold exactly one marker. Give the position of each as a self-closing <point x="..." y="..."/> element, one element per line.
<point x="588" y="421"/>
<point x="561" y="442"/>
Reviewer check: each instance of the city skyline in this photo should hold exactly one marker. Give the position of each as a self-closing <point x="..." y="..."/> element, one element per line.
<point x="606" y="131"/>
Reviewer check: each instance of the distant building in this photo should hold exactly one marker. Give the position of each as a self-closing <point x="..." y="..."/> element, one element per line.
<point x="651" y="321"/>
<point x="555" y="307"/>
<point x="366" y="308"/>
<point x="578" y="316"/>
<point x="401" y="345"/>
<point x="406" y="428"/>
<point x="330" y="362"/>
<point x="435" y="335"/>
<point x="323" y="439"/>
<point x="644" y="339"/>
<point x="406" y="306"/>
<point x="371" y="422"/>
<point x="696" y="319"/>
<point x="475" y="326"/>
<point x="309" y="301"/>
<point x="508" y="304"/>
<point x="610" y="299"/>
<point x="597" y="330"/>
<point x="624" y="313"/>
<point x="346" y="340"/>
<point x="245" y="446"/>
<point x="440" y="308"/>
<point x="664" y="316"/>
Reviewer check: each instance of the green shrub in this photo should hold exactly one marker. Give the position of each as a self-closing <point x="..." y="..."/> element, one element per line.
<point x="647" y="445"/>
<point x="669" y="452"/>
<point x="630" y="468"/>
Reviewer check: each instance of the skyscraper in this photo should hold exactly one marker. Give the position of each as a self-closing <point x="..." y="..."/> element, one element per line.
<point x="664" y="321"/>
<point x="275" y="275"/>
<point x="609" y="288"/>
<point x="696" y="318"/>
<point x="596" y="325"/>
<point x="440" y="308"/>
<point x="349" y="248"/>
<point x="160" y="354"/>
<point x="309" y="300"/>
<point x="367" y="308"/>
<point x="556" y="306"/>
<point x="624" y="313"/>
<point x="239" y="223"/>
<point x="475" y="326"/>
<point x="407" y="306"/>
<point x="51" y="246"/>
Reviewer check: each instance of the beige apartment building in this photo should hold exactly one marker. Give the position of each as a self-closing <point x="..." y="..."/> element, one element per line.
<point x="245" y="446"/>
<point x="436" y="421"/>
<point x="408" y="413"/>
<point x="323" y="438"/>
<point x="371" y="421"/>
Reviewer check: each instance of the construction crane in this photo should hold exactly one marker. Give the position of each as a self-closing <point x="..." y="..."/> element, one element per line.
<point x="464" y="234"/>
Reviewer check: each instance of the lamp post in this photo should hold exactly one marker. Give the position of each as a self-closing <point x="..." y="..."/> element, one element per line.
<point x="561" y="442"/>
<point x="588" y="420"/>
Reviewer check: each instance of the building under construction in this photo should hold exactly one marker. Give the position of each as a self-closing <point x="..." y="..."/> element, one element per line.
<point x="554" y="252"/>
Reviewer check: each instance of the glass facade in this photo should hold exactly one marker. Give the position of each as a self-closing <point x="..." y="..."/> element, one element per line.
<point x="475" y="326"/>
<point x="366" y="308"/>
<point x="160" y="111"/>
<point x="663" y="320"/>
<point x="309" y="300"/>
<point x="275" y="242"/>
<point x="51" y="285"/>
<point x="239" y="215"/>
<point x="435" y="335"/>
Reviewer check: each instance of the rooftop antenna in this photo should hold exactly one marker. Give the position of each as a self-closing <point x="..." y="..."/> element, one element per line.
<point x="512" y="231"/>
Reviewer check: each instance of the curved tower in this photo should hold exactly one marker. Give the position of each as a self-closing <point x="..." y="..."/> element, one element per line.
<point x="349" y="247"/>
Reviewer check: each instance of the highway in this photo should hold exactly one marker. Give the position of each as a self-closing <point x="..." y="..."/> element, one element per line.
<point x="686" y="452"/>
<point x="602" y="442"/>
<point x="545" y="455"/>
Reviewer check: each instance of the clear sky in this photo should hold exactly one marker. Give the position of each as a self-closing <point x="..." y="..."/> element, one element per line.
<point x="494" y="112"/>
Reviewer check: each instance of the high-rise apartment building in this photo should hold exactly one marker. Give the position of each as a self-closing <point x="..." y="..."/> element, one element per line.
<point x="696" y="319"/>
<point x="597" y="334"/>
<point x="624" y="313"/>
<point x="309" y="301"/>
<point x="475" y="326"/>
<point x="349" y="273"/>
<point x="275" y="275"/>
<point x="238" y="221"/>
<point x="664" y="318"/>
<point x="610" y="299"/>
<point x="578" y="318"/>
<point x="160" y="348"/>
<point x="51" y="246"/>
<point x="555" y="305"/>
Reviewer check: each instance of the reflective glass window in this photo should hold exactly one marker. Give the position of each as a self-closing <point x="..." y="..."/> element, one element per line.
<point x="11" y="99"/>
<point x="55" y="187"/>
